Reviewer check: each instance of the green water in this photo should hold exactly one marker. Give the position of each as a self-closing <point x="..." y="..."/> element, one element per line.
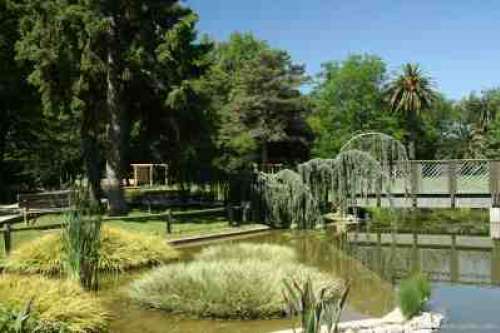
<point x="466" y="285"/>
<point x="370" y="295"/>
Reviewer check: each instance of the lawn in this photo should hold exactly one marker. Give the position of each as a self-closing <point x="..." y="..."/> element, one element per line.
<point x="182" y="226"/>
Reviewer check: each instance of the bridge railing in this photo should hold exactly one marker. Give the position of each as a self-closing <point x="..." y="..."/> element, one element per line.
<point x="473" y="178"/>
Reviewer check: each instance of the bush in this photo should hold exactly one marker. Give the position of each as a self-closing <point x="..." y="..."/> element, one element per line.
<point x="413" y="294"/>
<point x="48" y="306"/>
<point x="225" y="287"/>
<point x="120" y="250"/>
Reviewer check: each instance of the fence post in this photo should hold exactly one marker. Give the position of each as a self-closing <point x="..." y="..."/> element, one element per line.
<point x="494" y="180"/>
<point x="414" y="182"/>
<point x="452" y="182"/>
<point x="169" y="221"/>
<point x="380" y="188"/>
<point x="7" y="238"/>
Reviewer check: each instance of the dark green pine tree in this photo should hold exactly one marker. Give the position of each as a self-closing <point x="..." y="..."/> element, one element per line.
<point x="87" y="56"/>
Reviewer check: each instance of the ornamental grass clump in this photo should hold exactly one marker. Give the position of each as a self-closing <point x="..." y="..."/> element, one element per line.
<point x="38" y="304"/>
<point x="220" y="283"/>
<point x="119" y="250"/>
<point x="413" y="294"/>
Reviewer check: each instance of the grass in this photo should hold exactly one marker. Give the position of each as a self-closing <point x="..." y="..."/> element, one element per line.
<point x="413" y="294"/>
<point x="57" y="306"/>
<point x="181" y="227"/>
<point x="467" y="221"/>
<point x="230" y="281"/>
<point x="120" y="250"/>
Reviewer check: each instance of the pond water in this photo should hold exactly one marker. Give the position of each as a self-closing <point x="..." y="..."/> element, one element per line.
<point x="465" y="289"/>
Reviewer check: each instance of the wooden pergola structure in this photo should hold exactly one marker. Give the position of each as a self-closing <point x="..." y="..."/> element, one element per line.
<point x="144" y="173"/>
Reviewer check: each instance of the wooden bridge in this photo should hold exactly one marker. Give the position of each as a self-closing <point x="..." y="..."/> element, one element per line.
<point x="471" y="183"/>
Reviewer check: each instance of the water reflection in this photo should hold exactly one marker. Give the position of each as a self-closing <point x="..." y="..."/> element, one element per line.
<point x="448" y="264"/>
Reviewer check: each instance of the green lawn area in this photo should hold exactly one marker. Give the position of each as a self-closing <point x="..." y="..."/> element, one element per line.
<point x="185" y="226"/>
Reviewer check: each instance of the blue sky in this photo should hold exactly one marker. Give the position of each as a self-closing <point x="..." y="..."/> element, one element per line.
<point x="456" y="41"/>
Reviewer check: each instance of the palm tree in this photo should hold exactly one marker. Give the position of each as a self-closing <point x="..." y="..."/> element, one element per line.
<point x="411" y="92"/>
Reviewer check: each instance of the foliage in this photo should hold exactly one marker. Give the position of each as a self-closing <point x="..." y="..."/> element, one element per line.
<point x="316" y="308"/>
<point x="287" y="201"/>
<point x="260" y="109"/>
<point x="411" y="92"/>
<point x="54" y="306"/>
<point x="82" y="242"/>
<point x="348" y="99"/>
<point x="214" y="286"/>
<point x="413" y="294"/>
<point x="120" y="250"/>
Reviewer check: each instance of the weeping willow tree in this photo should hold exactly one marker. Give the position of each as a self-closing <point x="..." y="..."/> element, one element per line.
<point x="287" y="201"/>
<point x="368" y="163"/>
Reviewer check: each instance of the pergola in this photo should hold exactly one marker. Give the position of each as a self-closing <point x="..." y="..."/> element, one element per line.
<point x="144" y="173"/>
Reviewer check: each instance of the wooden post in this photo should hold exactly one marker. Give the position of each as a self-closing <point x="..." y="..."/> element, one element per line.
<point x="452" y="182"/>
<point x="135" y="176"/>
<point x="7" y="238"/>
<point x="169" y="221"/>
<point x="380" y="186"/>
<point x="165" y="166"/>
<point x="151" y="175"/>
<point x="414" y="182"/>
<point x="494" y="180"/>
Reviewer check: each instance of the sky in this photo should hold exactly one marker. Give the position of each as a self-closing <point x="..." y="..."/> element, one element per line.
<point x="457" y="42"/>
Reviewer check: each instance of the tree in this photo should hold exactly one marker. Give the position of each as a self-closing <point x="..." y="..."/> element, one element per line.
<point x="259" y="107"/>
<point x="88" y="56"/>
<point x="411" y="92"/>
<point x="348" y="98"/>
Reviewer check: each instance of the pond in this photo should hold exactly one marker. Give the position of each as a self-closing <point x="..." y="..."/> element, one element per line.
<point x="465" y="289"/>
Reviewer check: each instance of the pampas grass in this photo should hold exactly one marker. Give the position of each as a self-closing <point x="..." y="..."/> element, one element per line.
<point x="225" y="283"/>
<point x="120" y="250"/>
<point x="56" y="306"/>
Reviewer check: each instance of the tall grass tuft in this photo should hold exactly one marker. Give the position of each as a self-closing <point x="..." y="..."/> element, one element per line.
<point x="413" y="294"/>
<point x="82" y="244"/>
<point x="38" y="304"/>
<point x="120" y="250"/>
<point x="224" y="283"/>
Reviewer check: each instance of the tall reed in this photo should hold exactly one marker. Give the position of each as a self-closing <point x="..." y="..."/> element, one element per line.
<point x="82" y="241"/>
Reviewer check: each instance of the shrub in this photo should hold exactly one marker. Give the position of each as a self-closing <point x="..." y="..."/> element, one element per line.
<point x="120" y="250"/>
<point x="53" y="306"/>
<point x="225" y="287"/>
<point x="413" y="294"/>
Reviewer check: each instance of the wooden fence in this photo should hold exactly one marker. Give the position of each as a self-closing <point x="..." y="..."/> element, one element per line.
<point x="469" y="182"/>
<point x="168" y="217"/>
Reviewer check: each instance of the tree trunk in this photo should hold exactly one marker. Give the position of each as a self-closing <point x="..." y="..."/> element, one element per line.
<point x="264" y="156"/>
<point x="115" y="110"/>
<point x="412" y="126"/>
<point x="90" y="150"/>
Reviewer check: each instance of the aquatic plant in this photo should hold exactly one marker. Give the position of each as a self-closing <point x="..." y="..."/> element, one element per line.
<point x="413" y="294"/>
<point x="230" y="287"/>
<point x="43" y="305"/>
<point x="120" y="250"/>
<point x="315" y="308"/>
<point x="81" y="248"/>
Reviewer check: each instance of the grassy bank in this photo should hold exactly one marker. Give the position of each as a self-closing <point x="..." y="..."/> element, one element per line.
<point x="242" y="281"/>
<point x="467" y="221"/>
